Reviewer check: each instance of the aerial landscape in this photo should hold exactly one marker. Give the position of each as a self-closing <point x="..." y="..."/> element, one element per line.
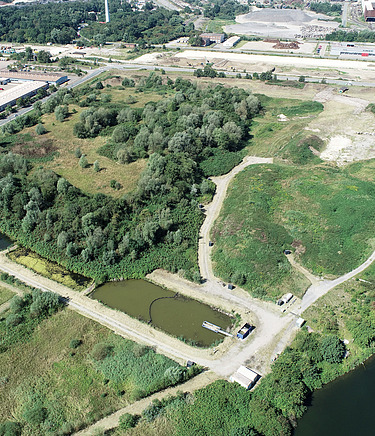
<point x="187" y="195"/>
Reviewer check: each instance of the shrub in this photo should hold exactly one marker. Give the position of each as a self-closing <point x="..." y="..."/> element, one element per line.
<point x="101" y="351"/>
<point x="13" y="319"/>
<point x="96" y="166"/>
<point x="40" y="129"/>
<point x="78" y="153"/>
<point x="127" y="421"/>
<point x="152" y="411"/>
<point x="83" y="162"/>
<point x="174" y="374"/>
<point x="10" y="428"/>
<point x="35" y="414"/>
<point x="75" y="343"/>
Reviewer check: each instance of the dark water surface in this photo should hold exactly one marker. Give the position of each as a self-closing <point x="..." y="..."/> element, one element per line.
<point x="180" y="317"/>
<point x="344" y="407"/>
<point x="5" y="242"/>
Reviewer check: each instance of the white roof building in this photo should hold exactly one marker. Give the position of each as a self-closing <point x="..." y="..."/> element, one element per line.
<point x="245" y="377"/>
<point x="26" y="89"/>
<point x="230" y="42"/>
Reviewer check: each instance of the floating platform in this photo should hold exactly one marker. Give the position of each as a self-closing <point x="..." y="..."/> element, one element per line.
<point x="215" y="328"/>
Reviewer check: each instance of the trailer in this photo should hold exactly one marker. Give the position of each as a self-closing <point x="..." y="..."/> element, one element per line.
<point x="285" y="299"/>
<point x="244" y="331"/>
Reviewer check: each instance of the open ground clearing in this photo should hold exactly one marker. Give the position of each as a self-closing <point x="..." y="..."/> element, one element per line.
<point x="349" y="70"/>
<point x="5" y="295"/>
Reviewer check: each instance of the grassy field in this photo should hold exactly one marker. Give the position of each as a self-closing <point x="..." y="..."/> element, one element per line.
<point x="48" y="269"/>
<point x="217" y="25"/>
<point x="272" y="136"/>
<point x="323" y="214"/>
<point x="5" y="295"/>
<point x="75" y="386"/>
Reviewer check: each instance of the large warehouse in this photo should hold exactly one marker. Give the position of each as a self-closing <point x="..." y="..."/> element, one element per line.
<point x="25" y="89"/>
<point x="51" y="78"/>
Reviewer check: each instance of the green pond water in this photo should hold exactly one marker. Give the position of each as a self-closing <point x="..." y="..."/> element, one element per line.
<point x="344" y="407"/>
<point x="180" y="317"/>
<point x="5" y="242"/>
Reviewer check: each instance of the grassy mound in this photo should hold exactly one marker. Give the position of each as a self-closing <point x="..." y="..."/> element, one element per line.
<point x="325" y="215"/>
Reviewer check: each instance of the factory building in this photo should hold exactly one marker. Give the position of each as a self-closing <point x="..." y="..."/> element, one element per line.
<point x="368" y="8"/>
<point x="51" y="78"/>
<point x="209" y="38"/>
<point x="23" y="90"/>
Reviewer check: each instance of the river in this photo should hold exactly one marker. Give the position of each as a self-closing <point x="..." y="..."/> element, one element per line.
<point x="181" y="317"/>
<point x="344" y="407"/>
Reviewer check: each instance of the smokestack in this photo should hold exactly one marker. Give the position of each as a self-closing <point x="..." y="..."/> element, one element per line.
<point x="107" y="20"/>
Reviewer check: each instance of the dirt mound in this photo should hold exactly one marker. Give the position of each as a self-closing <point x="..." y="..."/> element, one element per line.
<point x="279" y="16"/>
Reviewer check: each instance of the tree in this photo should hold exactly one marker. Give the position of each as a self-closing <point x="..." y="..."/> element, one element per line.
<point x="62" y="185"/>
<point x="174" y="374"/>
<point x="77" y="153"/>
<point x="61" y="113"/>
<point x="332" y="349"/>
<point x="62" y="239"/>
<point x="302" y="79"/>
<point x="99" y="85"/>
<point x="44" y="57"/>
<point x="96" y="166"/>
<point x="40" y="129"/>
<point x="83" y="162"/>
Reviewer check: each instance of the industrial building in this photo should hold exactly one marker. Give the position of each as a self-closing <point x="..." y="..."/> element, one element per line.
<point x="231" y="42"/>
<point x="368" y="8"/>
<point x="51" y="78"/>
<point x="245" y="377"/>
<point x="23" y="90"/>
<point x="209" y="38"/>
<point x="350" y="49"/>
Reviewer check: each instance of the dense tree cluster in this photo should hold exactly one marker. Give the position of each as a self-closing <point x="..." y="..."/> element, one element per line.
<point x="194" y="122"/>
<point x="352" y="35"/>
<point x="156" y="225"/>
<point x="224" y="9"/>
<point x="326" y="8"/>
<point x="60" y="23"/>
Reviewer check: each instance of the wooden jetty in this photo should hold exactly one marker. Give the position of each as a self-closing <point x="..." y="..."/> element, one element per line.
<point x="215" y="328"/>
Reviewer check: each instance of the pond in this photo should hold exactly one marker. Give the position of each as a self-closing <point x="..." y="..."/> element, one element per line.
<point x="5" y="242"/>
<point x="344" y="407"/>
<point x="177" y="315"/>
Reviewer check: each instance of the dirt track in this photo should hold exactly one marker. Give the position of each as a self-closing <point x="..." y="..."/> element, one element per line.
<point x="136" y="408"/>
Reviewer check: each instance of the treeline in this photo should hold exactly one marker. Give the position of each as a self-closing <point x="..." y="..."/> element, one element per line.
<point x="60" y="23"/>
<point x="326" y="8"/>
<point x="225" y="9"/>
<point x="351" y="36"/>
<point x="155" y="226"/>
